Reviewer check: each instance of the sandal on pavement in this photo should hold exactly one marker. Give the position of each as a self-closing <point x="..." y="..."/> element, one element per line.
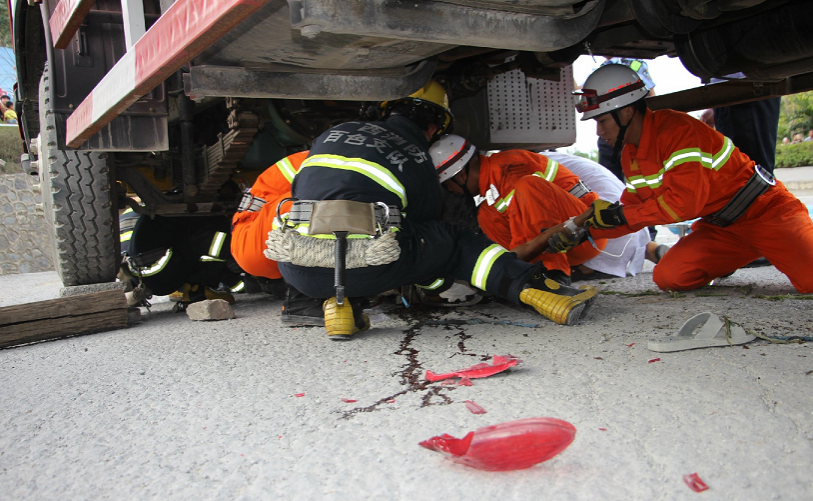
<point x="704" y="330"/>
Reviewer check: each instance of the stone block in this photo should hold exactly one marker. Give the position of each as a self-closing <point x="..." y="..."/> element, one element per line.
<point x="210" y="309"/>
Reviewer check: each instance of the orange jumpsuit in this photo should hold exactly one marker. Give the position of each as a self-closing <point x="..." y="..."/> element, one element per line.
<point x="683" y="169"/>
<point x="525" y="193"/>
<point x="250" y="229"/>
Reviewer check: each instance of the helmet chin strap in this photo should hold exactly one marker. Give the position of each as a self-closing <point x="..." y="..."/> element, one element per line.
<point x="619" y="141"/>
<point x="465" y="185"/>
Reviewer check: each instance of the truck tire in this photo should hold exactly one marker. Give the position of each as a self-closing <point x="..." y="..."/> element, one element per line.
<point x="79" y="204"/>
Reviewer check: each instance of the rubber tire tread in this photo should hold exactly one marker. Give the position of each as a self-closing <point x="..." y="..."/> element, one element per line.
<point x="80" y="209"/>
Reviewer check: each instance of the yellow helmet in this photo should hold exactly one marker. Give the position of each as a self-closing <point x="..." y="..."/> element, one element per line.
<point x="430" y="98"/>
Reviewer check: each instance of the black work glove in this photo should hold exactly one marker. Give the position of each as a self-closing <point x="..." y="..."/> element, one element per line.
<point x="606" y="215"/>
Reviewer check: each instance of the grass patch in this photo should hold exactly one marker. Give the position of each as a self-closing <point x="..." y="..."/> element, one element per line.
<point x="11" y="147"/>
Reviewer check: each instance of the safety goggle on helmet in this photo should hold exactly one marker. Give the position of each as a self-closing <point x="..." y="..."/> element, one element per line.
<point x="609" y="88"/>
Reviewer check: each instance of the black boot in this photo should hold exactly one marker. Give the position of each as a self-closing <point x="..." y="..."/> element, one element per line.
<point x="545" y="282"/>
<point x="300" y="309"/>
<point x="558" y="275"/>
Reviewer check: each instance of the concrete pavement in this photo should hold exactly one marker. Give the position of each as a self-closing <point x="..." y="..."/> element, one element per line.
<point x="175" y="409"/>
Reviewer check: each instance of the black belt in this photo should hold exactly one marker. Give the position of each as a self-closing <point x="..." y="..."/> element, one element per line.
<point x="388" y="216"/>
<point x="759" y="183"/>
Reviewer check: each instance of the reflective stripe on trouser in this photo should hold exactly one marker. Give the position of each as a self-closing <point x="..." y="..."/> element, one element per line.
<point x="436" y="284"/>
<point x="428" y="250"/>
<point x="165" y="275"/>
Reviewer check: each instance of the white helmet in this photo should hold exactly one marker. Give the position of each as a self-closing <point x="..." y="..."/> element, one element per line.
<point x="450" y="154"/>
<point x="609" y="88"/>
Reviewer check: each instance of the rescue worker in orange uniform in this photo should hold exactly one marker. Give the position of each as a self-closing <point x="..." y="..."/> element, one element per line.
<point x="677" y="168"/>
<point x="519" y="194"/>
<point x="250" y="226"/>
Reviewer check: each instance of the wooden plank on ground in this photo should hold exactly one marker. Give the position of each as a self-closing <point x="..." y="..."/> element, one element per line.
<point x="67" y="316"/>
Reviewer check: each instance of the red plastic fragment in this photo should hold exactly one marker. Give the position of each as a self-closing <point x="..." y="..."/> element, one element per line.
<point x="602" y="429"/>
<point x="695" y="483"/>
<point x="630" y="345"/>
<point x="464" y="381"/>
<point x="474" y="408"/>
<point x="391" y="401"/>
<point x="654" y="360"/>
<point x="498" y="364"/>
<point x="297" y="395"/>
<point x="349" y="400"/>
<point x="514" y="445"/>
<point x="448" y="444"/>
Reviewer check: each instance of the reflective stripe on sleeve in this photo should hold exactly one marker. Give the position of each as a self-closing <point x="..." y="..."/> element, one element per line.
<point x="239" y="287"/>
<point x="723" y="155"/>
<point x="287" y="169"/>
<point x="126" y="236"/>
<point x="372" y="170"/>
<point x="482" y="268"/>
<point x="503" y="203"/>
<point x="550" y="171"/>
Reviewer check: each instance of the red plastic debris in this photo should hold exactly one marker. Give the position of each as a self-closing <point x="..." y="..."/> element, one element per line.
<point x="464" y="381"/>
<point x="498" y="364"/>
<point x="514" y="445"/>
<point x="602" y="429"/>
<point x="474" y="408"/>
<point x="694" y="482"/>
<point x="349" y="400"/>
<point x="297" y="395"/>
<point x="654" y="360"/>
<point x="391" y="401"/>
<point x="630" y="345"/>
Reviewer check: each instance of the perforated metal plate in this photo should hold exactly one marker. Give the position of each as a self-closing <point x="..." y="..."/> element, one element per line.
<point x="530" y="112"/>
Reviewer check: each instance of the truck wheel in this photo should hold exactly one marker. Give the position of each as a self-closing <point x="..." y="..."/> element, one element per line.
<point x="79" y="205"/>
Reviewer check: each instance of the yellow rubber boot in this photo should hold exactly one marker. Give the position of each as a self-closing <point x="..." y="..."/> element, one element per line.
<point x="214" y="294"/>
<point x="340" y="322"/>
<point x="564" y="310"/>
<point x="192" y="293"/>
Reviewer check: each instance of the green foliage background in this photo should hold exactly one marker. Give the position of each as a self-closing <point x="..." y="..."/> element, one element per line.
<point x="795" y="116"/>
<point x="11" y="147"/>
<point x="5" y="29"/>
<point x="794" y="155"/>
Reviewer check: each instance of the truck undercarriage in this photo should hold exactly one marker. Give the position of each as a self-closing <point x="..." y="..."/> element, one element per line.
<point x="172" y="108"/>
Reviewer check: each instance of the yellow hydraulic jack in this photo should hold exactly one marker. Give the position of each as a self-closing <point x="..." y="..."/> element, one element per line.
<point x="342" y="218"/>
